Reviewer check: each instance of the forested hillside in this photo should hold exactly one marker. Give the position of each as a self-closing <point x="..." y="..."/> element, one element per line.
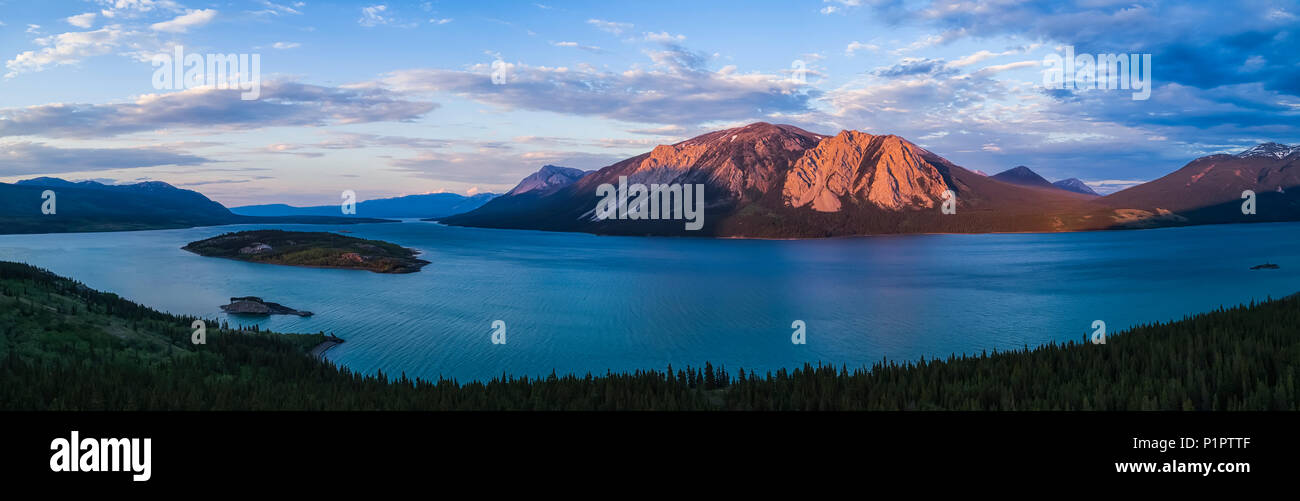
<point x="64" y="346"/>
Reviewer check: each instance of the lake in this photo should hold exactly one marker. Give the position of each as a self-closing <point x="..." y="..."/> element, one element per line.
<point x="578" y="303"/>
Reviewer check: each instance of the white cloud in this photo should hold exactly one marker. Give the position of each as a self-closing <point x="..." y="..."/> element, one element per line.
<point x="440" y="21"/>
<point x="678" y="89"/>
<point x="610" y="26"/>
<point x="856" y="46"/>
<point x="276" y="9"/>
<point x="576" y="45"/>
<point x="374" y="15"/>
<point x="184" y="22"/>
<point x="989" y="70"/>
<point x="135" y="8"/>
<point x="82" y="20"/>
<point x="286" y="45"/>
<point x="66" y="48"/>
<point x="664" y="37"/>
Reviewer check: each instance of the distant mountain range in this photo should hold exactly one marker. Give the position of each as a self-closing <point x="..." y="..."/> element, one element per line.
<point x="780" y="181"/>
<point x="760" y="180"/>
<point x="430" y="205"/>
<point x="91" y="206"/>
<point x="1023" y="176"/>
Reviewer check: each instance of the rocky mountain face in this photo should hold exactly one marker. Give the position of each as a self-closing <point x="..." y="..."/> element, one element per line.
<point x="780" y="181"/>
<point x="737" y="165"/>
<point x="855" y="167"/>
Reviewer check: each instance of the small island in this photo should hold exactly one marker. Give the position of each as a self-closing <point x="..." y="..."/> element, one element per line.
<point x="252" y="305"/>
<point x="310" y="249"/>
<point x="1265" y="266"/>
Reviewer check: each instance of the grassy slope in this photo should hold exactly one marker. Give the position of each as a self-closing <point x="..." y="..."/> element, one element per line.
<point x="63" y="346"/>
<point x="315" y="249"/>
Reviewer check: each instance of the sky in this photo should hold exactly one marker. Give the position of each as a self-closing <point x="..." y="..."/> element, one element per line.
<point x="398" y="98"/>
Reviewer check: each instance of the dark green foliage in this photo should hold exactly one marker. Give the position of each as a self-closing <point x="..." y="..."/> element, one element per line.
<point x="64" y="346"/>
<point x="314" y="249"/>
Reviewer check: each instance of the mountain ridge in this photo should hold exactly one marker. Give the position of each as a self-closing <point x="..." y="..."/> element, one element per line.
<point x="857" y="183"/>
<point x="425" y="205"/>
<point x="90" y="206"/>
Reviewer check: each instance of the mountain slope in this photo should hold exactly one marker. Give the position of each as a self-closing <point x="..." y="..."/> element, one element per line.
<point x="1023" y="176"/>
<point x="91" y="206"/>
<point x="1209" y="189"/>
<point x="547" y="179"/>
<point x="410" y="206"/>
<point x="1075" y="185"/>
<point x="885" y="171"/>
<point x="780" y="181"/>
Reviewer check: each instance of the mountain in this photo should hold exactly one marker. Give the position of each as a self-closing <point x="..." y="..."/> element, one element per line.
<point x="1274" y="151"/>
<point x="91" y="206"/>
<point x="1023" y="176"/>
<point x="1209" y="189"/>
<point x="856" y="167"/>
<point x="1075" y="185"/>
<point x="411" y="206"/>
<point x="780" y="181"/>
<point x="547" y="179"/>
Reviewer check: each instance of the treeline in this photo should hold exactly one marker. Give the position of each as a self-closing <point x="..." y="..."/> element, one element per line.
<point x="66" y="347"/>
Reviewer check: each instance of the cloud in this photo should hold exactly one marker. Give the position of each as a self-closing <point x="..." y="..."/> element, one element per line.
<point x="82" y="20"/>
<point x="374" y="15"/>
<point x="283" y="103"/>
<point x="286" y="45"/>
<point x="1204" y="49"/>
<point x="1108" y="186"/>
<point x="500" y="167"/>
<point x="352" y="140"/>
<point x="678" y="90"/>
<point x="856" y="46"/>
<point x="28" y="158"/>
<point x="576" y="45"/>
<point x="184" y="22"/>
<point x="128" y="9"/>
<point x="440" y="21"/>
<point x="915" y="66"/>
<point x="275" y="9"/>
<point x="979" y="57"/>
<point x="66" y="48"/>
<point x="663" y="37"/>
<point x="610" y="26"/>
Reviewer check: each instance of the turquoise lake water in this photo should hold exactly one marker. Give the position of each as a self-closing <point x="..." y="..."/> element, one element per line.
<point x="577" y="303"/>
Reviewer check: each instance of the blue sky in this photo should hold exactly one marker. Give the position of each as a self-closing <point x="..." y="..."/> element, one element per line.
<point x="393" y="98"/>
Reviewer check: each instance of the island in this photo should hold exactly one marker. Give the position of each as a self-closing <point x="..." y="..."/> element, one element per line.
<point x="252" y="305"/>
<point x="310" y="249"/>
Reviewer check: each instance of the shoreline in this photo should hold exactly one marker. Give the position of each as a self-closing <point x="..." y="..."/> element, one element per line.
<point x="318" y="352"/>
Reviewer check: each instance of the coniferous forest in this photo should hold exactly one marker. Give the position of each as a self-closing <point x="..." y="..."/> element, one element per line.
<point x="64" y="346"/>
